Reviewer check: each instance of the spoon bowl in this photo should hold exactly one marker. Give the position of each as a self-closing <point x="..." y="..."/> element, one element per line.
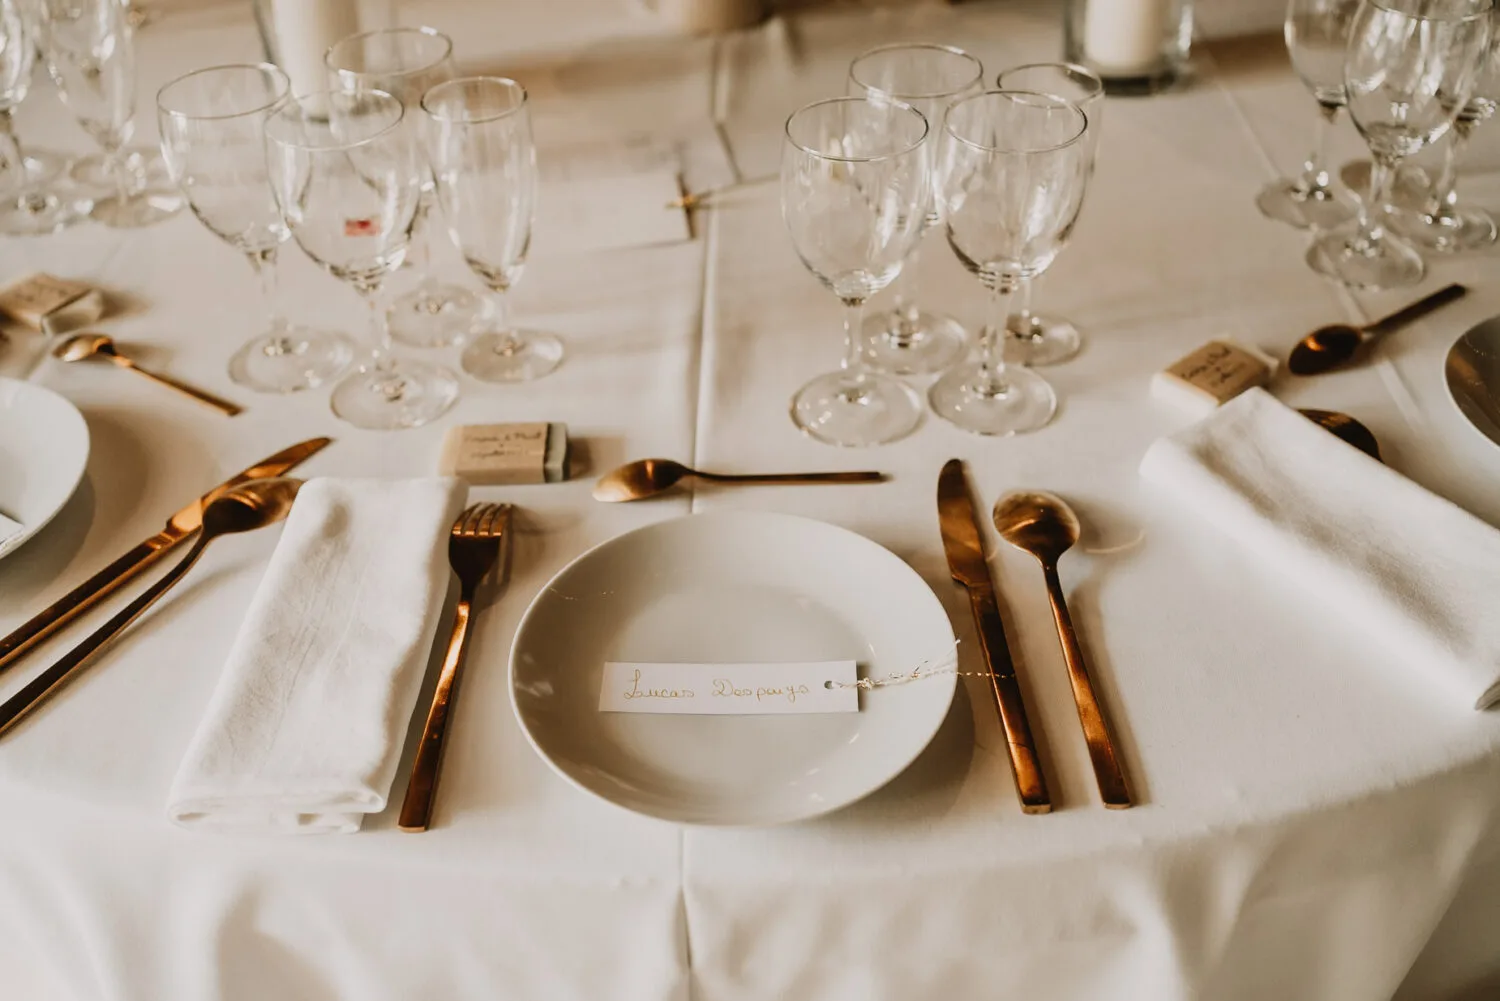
<point x="1348" y="429"/>
<point x="1039" y="523"/>
<point x="1330" y="347"/>
<point x="80" y="347"/>
<point x="251" y="505"/>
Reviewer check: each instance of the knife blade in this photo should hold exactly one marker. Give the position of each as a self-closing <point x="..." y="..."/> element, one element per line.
<point x="183" y="524"/>
<point x="964" y="547"/>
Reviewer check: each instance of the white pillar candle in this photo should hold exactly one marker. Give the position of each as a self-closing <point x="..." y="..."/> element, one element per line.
<point x="1125" y="36"/>
<point x="305" y="29"/>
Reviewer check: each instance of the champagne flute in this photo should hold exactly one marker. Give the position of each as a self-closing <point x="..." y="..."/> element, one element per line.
<point x="1317" y="35"/>
<point x="484" y="161"/>
<point x="1014" y="169"/>
<point x="855" y="192"/>
<point x="1410" y="68"/>
<point x="1033" y="339"/>
<point x="906" y="338"/>
<point x="91" y="57"/>
<point x="27" y="207"/>
<point x="213" y="140"/>
<point x="408" y="62"/>
<point x="348" y="176"/>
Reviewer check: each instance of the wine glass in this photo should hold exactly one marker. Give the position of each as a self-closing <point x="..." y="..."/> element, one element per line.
<point x="26" y="207"/>
<point x="1317" y="36"/>
<point x="408" y="62"/>
<point x="1440" y="224"/>
<point x="347" y="175"/>
<point x="484" y="161"/>
<point x="1410" y="67"/>
<point x="906" y="338"/>
<point x="855" y="192"/>
<point x="213" y="141"/>
<point x="1014" y="168"/>
<point x="90" y="55"/>
<point x="1033" y="339"/>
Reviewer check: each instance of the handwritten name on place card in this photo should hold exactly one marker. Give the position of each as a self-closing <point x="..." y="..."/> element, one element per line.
<point x="729" y="689"/>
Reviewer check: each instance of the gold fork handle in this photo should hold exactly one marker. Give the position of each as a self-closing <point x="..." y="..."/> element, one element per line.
<point x="1107" y="771"/>
<point x="201" y="395"/>
<point x="421" y="789"/>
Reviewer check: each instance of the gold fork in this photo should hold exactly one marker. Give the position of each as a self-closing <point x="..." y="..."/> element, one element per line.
<point x="480" y="538"/>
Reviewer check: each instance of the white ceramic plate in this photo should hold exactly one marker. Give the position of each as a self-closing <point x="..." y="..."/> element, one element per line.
<point x="731" y="587"/>
<point x="44" y="449"/>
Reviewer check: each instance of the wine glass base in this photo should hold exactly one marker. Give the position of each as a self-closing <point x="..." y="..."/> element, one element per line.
<point x="931" y="344"/>
<point x="39" y="212"/>
<point x="146" y="208"/>
<point x="525" y="355"/>
<point x="1288" y="202"/>
<point x="406" y="395"/>
<point x="435" y="315"/>
<point x="1047" y="340"/>
<point x="1024" y="402"/>
<point x="1465" y="229"/>
<point x="854" y="411"/>
<point x="93" y="172"/>
<point x="1388" y="262"/>
<point x="43" y="166"/>
<point x="290" y="360"/>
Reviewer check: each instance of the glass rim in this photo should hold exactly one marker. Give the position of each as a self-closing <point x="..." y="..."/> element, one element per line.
<point x="821" y="155"/>
<point x="492" y="117"/>
<point x="270" y="70"/>
<point x="1075" y="68"/>
<point x="929" y="46"/>
<point x="361" y="36"/>
<point x="299" y="99"/>
<point x="1083" y="126"/>
<point x="1483" y="9"/>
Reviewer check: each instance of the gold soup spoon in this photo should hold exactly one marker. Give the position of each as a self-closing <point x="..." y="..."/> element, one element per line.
<point x="1326" y="348"/>
<point x="80" y="347"/>
<point x="648" y="477"/>
<point x="1343" y="426"/>
<point x="1044" y="526"/>
<point x="245" y="508"/>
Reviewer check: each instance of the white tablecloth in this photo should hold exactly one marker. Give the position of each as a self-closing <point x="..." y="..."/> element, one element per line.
<point x="1310" y="829"/>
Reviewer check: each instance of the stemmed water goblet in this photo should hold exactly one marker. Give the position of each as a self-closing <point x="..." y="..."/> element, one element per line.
<point x="1410" y="68"/>
<point x="484" y="160"/>
<point x="906" y="338"/>
<point x="90" y="55"/>
<point x="27" y="207"/>
<point x="855" y="190"/>
<point x="1317" y="37"/>
<point x="212" y="124"/>
<point x="1032" y="338"/>
<point x="1014" y="168"/>
<point x="406" y="63"/>
<point x="347" y="175"/>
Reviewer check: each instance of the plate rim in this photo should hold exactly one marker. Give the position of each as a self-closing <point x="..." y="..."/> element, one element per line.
<point x="949" y="680"/>
<point x="31" y="531"/>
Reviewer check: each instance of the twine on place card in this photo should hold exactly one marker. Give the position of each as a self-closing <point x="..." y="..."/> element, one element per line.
<point x="944" y="665"/>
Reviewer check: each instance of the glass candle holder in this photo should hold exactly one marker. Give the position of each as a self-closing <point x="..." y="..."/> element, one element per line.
<point x="1135" y="46"/>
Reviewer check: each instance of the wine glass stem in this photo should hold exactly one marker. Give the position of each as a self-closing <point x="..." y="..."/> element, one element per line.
<point x="264" y="263"/>
<point x="1445" y="191"/>
<point x="1315" y="179"/>
<point x="380" y="332"/>
<point x="905" y="320"/>
<point x="114" y="160"/>
<point x="1026" y="327"/>
<point x="506" y="342"/>
<point x="418" y="251"/>
<point x="12" y="161"/>
<point x="854" y="357"/>
<point x="991" y="378"/>
<point x="1370" y="232"/>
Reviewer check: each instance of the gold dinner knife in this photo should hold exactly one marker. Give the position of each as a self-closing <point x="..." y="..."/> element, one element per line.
<point x="962" y="544"/>
<point x="180" y="527"/>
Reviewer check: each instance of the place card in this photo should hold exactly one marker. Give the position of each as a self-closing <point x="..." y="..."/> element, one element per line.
<point x="50" y="304"/>
<point x="494" y="454"/>
<point x="730" y="689"/>
<point x="1213" y="374"/>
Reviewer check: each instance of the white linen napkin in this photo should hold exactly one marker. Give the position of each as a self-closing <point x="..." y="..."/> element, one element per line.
<point x="10" y="533"/>
<point x="304" y="731"/>
<point x="1400" y="562"/>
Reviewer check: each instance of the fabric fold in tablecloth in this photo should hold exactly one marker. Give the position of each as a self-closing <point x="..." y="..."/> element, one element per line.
<point x="304" y="731"/>
<point x="1387" y="555"/>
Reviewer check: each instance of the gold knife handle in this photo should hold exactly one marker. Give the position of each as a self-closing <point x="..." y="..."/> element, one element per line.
<point x="1107" y="770"/>
<point x="83" y="597"/>
<point x="1024" y="764"/>
<point x="421" y="788"/>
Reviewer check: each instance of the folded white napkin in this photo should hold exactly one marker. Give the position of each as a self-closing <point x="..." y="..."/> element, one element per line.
<point x="1400" y="562"/>
<point x="10" y="533"/>
<point x="304" y="732"/>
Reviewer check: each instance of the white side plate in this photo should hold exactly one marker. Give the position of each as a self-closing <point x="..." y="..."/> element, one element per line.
<point x="44" y="450"/>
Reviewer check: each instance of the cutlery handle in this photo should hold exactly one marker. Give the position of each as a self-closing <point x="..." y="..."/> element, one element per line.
<point x="854" y="477"/>
<point x="1024" y="764"/>
<point x="1416" y="310"/>
<point x="40" y="688"/>
<point x="421" y="788"/>
<point x="82" y="598"/>
<point x="193" y="392"/>
<point x="1107" y="771"/>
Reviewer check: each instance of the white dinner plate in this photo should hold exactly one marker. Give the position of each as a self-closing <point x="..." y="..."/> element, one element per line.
<point x="44" y="449"/>
<point x="721" y="588"/>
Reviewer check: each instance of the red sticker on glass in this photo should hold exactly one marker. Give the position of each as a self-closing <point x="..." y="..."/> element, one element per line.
<point x="361" y="227"/>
